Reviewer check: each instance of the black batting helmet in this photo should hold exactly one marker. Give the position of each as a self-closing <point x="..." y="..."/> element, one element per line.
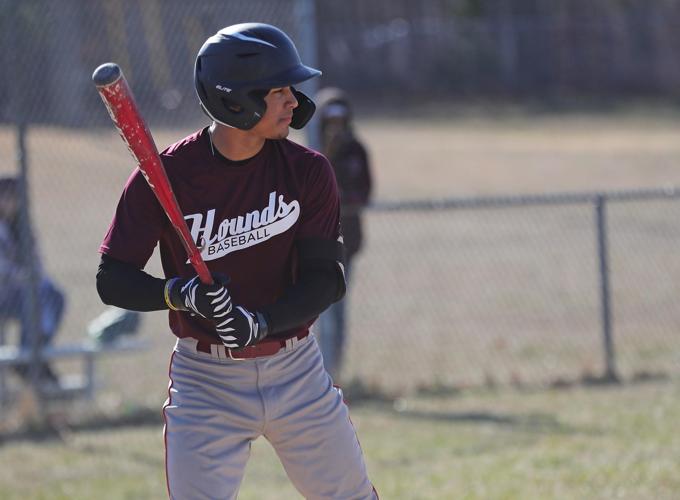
<point x="236" y="68"/>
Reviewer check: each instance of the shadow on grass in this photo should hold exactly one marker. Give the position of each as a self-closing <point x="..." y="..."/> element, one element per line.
<point x="359" y="396"/>
<point x="539" y="423"/>
<point x="55" y="429"/>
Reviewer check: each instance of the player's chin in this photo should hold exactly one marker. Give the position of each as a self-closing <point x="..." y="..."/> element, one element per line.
<point x="280" y="133"/>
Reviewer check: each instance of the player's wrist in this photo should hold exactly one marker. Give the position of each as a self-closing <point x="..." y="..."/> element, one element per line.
<point x="263" y="322"/>
<point x="172" y="294"/>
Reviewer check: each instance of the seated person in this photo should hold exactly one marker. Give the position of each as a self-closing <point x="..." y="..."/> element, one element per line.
<point x="15" y="276"/>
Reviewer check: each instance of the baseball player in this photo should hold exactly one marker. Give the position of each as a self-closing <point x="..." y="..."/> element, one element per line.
<point x="265" y="213"/>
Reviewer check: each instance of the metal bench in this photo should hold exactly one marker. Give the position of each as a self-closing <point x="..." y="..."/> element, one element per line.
<point x="88" y="351"/>
<point x="107" y="334"/>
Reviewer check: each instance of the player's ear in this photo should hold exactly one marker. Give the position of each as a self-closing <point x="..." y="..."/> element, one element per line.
<point x="304" y="111"/>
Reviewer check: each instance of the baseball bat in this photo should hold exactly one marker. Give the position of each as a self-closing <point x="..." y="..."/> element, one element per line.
<point x="117" y="96"/>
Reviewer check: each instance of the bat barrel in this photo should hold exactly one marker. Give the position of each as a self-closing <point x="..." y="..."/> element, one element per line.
<point x="117" y="97"/>
<point x="106" y="74"/>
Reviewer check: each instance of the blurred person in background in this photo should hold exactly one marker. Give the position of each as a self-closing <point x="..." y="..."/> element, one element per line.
<point x="15" y="276"/>
<point x="350" y="162"/>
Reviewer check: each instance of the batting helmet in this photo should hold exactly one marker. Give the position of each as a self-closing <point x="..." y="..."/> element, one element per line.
<point x="236" y="68"/>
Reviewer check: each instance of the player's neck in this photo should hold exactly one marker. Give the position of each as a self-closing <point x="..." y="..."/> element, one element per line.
<point x="235" y="144"/>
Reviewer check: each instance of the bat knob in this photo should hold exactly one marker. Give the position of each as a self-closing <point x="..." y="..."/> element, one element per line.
<point x="106" y="74"/>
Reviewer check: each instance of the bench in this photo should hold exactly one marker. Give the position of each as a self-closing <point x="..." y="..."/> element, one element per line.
<point x="110" y="333"/>
<point x="70" y="386"/>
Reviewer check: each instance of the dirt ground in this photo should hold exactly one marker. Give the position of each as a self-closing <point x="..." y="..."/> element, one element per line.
<point x="453" y="297"/>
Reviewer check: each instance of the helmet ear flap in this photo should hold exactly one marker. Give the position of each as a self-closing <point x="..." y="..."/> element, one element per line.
<point x="304" y="110"/>
<point x="233" y="111"/>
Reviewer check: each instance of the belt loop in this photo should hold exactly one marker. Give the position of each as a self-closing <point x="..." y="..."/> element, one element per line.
<point x="231" y="355"/>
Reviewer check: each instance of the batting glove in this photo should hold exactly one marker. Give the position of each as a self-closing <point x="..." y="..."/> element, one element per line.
<point x="242" y="328"/>
<point x="208" y="301"/>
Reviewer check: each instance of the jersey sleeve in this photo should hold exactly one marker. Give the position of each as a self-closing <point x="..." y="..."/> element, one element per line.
<point x="137" y="225"/>
<point x="320" y="210"/>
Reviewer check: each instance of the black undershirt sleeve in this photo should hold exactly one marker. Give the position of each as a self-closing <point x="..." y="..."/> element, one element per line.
<point x="315" y="290"/>
<point x="320" y="282"/>
<point x="124" y="285"/>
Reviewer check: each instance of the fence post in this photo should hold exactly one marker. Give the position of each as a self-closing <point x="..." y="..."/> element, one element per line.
<point x="305" y="13"/>
<point x="31" y="310"/>
<point x="19" y="93"/>
<point x="610" y="374"/>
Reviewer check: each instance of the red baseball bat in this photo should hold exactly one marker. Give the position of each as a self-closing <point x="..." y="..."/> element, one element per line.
<point x="117" y="96"/>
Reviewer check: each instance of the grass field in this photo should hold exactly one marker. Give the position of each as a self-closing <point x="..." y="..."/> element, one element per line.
<point x="587" y="442"/>
<point x="500" y="296"/>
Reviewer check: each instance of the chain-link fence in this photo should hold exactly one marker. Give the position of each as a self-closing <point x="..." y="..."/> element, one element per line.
<point x="501" y="47"/>
<point x="501" y="292"/>
<point x="51" y="48"/>
<point x="521" y="290"/>
<point x="56" y="133"/>
<point x="449" y="48"/>
<point x="376" y="50"/>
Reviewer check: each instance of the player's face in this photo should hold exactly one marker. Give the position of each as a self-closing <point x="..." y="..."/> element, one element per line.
<point x="280" y="105"/>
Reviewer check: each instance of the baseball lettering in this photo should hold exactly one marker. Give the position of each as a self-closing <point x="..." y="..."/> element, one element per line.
<point x="239" y="241"/>
<point x="242" y="231"/>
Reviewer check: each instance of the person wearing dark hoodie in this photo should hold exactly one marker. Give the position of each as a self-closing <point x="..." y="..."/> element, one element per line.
<point x="351" y="164"/>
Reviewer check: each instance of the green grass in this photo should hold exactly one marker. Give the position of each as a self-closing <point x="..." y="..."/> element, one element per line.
<point x="596" y="442"/>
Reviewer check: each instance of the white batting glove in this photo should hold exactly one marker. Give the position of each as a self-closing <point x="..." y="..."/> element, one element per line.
<point x="241" y="328"/>
<point x="208" y="301"/>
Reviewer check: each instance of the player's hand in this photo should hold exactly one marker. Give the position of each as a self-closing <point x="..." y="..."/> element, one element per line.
<point x="208" y="301"/>
<point x="241" y="328"/>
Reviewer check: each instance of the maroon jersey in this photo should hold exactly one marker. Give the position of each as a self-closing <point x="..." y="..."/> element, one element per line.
<point x="244" y="216"/>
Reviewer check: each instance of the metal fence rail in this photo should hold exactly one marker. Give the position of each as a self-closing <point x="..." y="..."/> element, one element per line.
<point x="524" y="200"/>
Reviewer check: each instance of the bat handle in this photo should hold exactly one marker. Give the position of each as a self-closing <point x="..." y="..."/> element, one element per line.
<point x="201" y="269"/>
